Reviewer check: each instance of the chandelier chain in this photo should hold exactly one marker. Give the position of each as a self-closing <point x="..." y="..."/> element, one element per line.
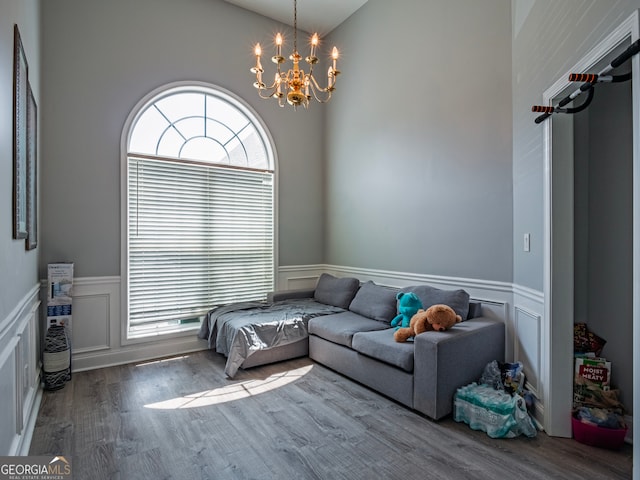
<point x="295" y="26"/>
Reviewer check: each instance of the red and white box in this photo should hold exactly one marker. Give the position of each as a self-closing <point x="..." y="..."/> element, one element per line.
<point x="596" y="370"/>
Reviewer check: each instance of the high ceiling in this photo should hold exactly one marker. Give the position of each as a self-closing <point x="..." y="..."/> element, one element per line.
<point x="320" y="16"/>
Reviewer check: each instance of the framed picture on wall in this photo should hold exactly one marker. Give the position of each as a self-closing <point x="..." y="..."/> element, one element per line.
<point x="32" y="172"/>
<point x="20" y="100"/>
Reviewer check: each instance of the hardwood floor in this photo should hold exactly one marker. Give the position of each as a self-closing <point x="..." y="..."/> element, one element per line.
<point x="180" y="418"/>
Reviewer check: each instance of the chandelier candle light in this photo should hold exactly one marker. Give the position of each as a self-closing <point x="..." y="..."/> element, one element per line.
<point x="298" y="85"/>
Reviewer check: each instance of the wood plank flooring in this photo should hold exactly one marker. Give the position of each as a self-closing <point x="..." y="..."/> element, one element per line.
<point x="180" y="418"/>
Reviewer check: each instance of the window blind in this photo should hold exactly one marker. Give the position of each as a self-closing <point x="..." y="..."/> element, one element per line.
<point x="198" y="235"/>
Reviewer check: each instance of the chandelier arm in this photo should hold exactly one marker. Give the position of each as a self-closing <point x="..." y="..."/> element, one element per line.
<point x="261" y="95"/>
<point x="270" y="90"/>
<point x="315" y="90"/>
<point x="316" y="87"/>
<point x="321" y="100"/>
<point x="261" y="86"/>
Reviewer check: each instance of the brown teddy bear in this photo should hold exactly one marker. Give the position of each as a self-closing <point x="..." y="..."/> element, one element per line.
<point x="437" y="317"/>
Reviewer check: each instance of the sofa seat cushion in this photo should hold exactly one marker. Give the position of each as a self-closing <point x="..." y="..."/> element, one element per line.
<point x="382" y="346"/>
<point x="340" y="327"/>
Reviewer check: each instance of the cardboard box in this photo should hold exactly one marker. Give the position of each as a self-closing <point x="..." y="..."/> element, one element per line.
<point x="60" y="295"/>
<point x="596" y="370"/>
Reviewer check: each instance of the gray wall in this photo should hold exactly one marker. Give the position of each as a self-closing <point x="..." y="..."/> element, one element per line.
<point x="604" y="219"/>
<point x="99" y="59"/>
<point x="420" y="133"/>
<point x="549" y="37"/>
<point x="18" y="268"/>
<point x="419" y="140"/>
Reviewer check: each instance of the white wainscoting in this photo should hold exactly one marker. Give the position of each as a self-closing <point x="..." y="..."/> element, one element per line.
<point x="20" y="368"/>
<point x="529" y="341"/>
<point x="96" y="302"/>
<point x="97" y="322"/>
<point x="97" y="326"/>
<point x="295" y="277"/>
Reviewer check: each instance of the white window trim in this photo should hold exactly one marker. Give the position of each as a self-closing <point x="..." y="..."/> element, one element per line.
<point x="124" y="245"/>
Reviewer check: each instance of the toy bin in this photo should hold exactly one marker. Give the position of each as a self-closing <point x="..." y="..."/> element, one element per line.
<point x="610" y="438"/>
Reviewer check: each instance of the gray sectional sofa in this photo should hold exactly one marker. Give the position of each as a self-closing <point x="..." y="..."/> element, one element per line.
<point x="422" y="374"/>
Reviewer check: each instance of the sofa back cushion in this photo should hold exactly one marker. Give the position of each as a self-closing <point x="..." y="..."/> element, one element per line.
<point x="335" y="291"/>
<point x="456" y="299"/>
<point x="375" y="302"/>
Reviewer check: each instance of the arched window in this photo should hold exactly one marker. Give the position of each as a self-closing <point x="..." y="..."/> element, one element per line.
<point x="200" y="208"/>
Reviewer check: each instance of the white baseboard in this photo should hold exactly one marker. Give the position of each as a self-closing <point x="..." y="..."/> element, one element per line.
<point x="137" y="353"/>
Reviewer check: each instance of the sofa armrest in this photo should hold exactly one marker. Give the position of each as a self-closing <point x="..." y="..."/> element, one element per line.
<point x="290" y="294"/>
<point x="445" y="361"/>
<point x="475" y="310"/>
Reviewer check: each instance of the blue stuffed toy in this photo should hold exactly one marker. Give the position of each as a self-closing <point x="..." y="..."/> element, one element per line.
<point x="408" y="306"/>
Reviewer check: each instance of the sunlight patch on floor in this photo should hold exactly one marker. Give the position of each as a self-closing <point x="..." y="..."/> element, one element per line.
<point x="236" y="391"/>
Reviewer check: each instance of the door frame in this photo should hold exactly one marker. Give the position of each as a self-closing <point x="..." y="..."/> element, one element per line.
<point x="557" y="336"/>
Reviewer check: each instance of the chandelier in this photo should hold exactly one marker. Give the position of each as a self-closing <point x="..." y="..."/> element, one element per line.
<point x="294" y="83"/>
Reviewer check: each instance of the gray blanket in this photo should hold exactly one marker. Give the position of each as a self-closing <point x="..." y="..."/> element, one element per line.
<point x="241" y="329"/>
